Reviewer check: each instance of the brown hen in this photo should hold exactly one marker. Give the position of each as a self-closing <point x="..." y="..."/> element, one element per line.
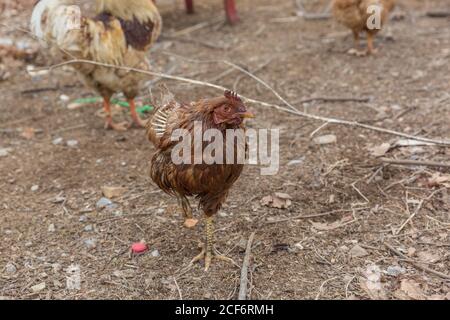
<point x="209" y="181"/>
<point x="357" y="15"/>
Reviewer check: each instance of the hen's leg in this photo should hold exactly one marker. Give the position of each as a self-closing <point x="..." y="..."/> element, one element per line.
<point x="209" y="252"/>
<point x="370" y="47"/>
<point x="136" y="119"/>
<point x="356" y="50"/>
<point x="190" y="6"/>
<point x="109" y="120"/>
<point x="230" y="9"/>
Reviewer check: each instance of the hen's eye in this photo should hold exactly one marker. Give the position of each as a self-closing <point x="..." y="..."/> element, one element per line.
<point x="227" y="109"/>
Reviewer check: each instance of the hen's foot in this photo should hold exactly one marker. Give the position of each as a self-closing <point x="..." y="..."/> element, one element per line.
<point x="139" y="123"/>
<point x="357" y="53"/>
<point x="372" y="51"/>
<point x="121" y="127"/>
<point x="209" y="255"/>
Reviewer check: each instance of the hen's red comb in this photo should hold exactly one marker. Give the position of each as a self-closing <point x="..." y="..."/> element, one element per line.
<point x="233" y="96"/>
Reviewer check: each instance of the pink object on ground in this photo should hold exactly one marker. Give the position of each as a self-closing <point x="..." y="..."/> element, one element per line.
<point x="139" y="247"/>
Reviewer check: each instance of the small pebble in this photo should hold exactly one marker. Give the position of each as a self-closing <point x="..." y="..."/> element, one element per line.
<point x="4" y="152"/>
<point x="395" y="271"/>
<point x="82" y="218"/>
<point x="117" y="213"/>
<point x="64" y="98"/>
<point x="223" y="214"/>
<point x="57" y="141"/>
<point x="88" y="228"/>
<point x="155" y="253"/>
<point x="39" y="287"/>
<point x="10" y="268"/>
<point x="90" y="243"/>
<point x="72" y="143"/>
<point x="103" y="203"/>
<point x="34" y="188"/>
<point x="51" y="228"/>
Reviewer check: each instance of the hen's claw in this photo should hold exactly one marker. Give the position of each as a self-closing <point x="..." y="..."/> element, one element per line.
<point x="208" y="256"/>
<point x="121" y="127"/>
<point x="139" y="123"/>
<point x="357" y="53"/>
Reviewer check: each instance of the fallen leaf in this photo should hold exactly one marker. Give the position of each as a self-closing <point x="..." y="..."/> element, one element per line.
<point x="28" y="133"/>
<point x="327" y="139"/>
<point x="278" y="200"/>
<point x="381" y="150"/>
<point x="358" y="252"/>
<point x="410" y="289"/>
<point x="190" y="223"/>
<point x="439" y="179"/>
<point x="428" y="256"/>
<point x="113" y="192"/>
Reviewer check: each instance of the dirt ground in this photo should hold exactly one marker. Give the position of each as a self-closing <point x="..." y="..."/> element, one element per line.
<point x="49" y="190"/>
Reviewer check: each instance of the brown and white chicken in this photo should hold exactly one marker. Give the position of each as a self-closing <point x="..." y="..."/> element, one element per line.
<point x="363" y="16"/>
<point x="119" y="35"/>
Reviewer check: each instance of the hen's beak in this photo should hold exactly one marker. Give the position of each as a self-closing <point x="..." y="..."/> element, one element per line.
<point x="246" y="115"/>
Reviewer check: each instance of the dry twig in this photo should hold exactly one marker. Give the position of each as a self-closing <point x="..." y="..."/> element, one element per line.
<point x="416" y="163"/>
<point x="244" y="271"/>
<point x="312" y="216"/>
<point x="291" y="109"/>
<point x="416" y="264"/>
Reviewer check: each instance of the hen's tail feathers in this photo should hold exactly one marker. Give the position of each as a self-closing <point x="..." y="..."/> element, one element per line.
<point x="56" y="22"/>
<point x="158" y="124"/>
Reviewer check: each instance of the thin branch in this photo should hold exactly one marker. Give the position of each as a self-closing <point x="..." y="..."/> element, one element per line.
<point x="322" y="286"/>
<point x="416" y="264"/>
<point x="334" y="99"/>
<point x="291" y="109"/>
<point x="409" y="218"/>
<point x="416" y="163"/>
<point x="178" y="288"/>
<point x="244" y="271"/>
<point x="438" y="14"/>
<point x="312" y="216"/>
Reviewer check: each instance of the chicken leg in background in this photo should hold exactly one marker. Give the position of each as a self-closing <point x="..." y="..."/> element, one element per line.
<point x="355" y="15"/>
<point x="210" y="183"/>
<point x="230" y="10"/>
<point x="120" y="35"/>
